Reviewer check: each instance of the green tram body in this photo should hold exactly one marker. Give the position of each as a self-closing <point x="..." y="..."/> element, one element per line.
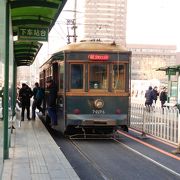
<point x="93" y="82"/>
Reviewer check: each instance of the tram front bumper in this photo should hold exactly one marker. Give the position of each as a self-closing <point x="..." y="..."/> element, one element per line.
<point x="87" y="120"/>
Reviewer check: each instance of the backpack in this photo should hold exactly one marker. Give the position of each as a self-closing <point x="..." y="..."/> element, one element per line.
<point x="40" y="93"/>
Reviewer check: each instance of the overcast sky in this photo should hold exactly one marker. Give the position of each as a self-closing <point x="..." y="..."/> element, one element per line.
<point x="153" y="21"/>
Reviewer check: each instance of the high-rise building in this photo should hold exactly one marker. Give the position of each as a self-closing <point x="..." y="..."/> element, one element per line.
<point x="105" y="20"/>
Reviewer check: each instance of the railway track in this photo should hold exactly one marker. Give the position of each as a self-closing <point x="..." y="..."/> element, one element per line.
<point x="117" y="157"/>
<point x="117" y="140"/>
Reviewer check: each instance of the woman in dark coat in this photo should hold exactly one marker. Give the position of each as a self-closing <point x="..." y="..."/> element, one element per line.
<point x="163" y="97"/>
<point x="155" y="94"/>
<point x="149" y="97"/>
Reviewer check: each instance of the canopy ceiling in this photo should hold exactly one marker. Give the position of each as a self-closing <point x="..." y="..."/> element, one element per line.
<point x="32" y="14"/>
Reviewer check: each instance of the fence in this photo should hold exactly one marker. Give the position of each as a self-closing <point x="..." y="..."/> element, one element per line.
<point x="163" y="123"/>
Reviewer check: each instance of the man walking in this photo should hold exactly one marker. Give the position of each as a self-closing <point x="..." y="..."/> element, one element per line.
<point x="51" y="102"/>
<point x="38" y="94"/>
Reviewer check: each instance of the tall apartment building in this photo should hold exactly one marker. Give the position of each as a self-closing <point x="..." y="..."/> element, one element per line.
<point x="105" y="20"/>
<point x="146" y="59"/>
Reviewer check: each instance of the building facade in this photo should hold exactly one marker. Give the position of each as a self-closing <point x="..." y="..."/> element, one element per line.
<point x="28" y="74"/>
<point x="146" y="59"/>
<point x="105" y="20"/>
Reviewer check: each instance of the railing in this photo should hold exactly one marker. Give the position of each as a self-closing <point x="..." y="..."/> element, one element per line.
<point x="163" y="123"/>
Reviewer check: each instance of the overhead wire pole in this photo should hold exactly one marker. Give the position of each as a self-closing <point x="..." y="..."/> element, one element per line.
<point x="74" y="22"/>
<point x="68" y="36"/>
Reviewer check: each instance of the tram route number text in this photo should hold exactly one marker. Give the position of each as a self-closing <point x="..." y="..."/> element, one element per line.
<point x="98" y="111"/>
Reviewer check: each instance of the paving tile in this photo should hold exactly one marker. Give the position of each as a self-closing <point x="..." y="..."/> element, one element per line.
<point x="41" y="177"/>
<point x="34" y="155"/>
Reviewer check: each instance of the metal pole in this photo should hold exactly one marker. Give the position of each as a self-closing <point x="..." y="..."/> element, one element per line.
<point x="14" y="89"/>
<point x="74" y="21"/>
<point x="169" y="86"/>
<point x="6" y="85"/>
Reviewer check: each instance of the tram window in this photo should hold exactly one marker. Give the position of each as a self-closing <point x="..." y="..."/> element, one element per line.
<point x="118" y="77"/>
<point x="76" y="76"/>
<point x="98" y="76"/>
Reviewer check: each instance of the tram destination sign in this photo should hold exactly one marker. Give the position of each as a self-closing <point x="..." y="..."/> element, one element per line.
<point x="98" y="57"/>
<point x="33" y="34"/>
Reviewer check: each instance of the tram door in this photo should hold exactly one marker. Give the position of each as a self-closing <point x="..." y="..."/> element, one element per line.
<point x="55" y="73"/>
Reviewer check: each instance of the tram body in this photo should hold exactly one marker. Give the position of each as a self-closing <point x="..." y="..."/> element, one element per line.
<point x="93" y="81"/>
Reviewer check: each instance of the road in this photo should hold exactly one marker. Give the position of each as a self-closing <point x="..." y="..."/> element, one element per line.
<point x="128" y="157"/>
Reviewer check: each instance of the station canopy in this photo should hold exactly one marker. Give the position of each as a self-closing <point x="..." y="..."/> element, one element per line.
<point x="170" y="70"/>
<point x="32" y="14"/>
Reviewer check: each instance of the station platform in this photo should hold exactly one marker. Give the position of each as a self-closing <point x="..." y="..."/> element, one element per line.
<point x="34" y="155"/>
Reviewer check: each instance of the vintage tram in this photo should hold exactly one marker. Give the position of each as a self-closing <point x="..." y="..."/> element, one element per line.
<point x="93" y="80"/>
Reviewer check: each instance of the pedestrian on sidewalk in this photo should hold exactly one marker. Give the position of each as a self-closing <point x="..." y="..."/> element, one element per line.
<point x="51" y="102"/>
<point x="38" y="96"/>
<point x="163" y="96"/>
<point x="25" y="94"/>
<point x="149" y="97"/>
<point x="155" y="94"/>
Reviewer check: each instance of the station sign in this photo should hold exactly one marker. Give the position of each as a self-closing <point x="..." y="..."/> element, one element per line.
<point x="170" y="72"/>
<point x="32" y="34"/>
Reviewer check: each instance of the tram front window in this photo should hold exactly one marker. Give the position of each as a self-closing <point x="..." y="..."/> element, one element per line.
<point x="118" y="77"/>
<point x="76" y="76"/>
<point x="98" y="76"/>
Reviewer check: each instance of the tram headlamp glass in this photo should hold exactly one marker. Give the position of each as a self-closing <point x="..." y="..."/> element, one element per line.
<point x="98" y="103"/>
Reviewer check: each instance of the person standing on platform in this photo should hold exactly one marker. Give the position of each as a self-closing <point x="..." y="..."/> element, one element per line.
<point x="38" y="94"/>
<point x="25" y="94"/>
<point x="51" y="102"/>
<point x="163" y="96"/>
<point x="149" y="97"/>
<point x="155" y="94"/>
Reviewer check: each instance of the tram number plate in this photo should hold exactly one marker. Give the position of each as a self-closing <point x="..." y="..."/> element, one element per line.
<point x="98" y="111"/>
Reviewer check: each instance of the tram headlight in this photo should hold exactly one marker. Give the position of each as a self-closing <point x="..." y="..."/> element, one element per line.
<point x="76" y="111"/>
<point x="118" y="111"/>
<point x="99" y="103"/>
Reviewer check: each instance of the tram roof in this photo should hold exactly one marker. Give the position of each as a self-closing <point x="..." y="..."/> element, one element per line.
<point x="32" y="14"/>
<point x="93" y="46"/>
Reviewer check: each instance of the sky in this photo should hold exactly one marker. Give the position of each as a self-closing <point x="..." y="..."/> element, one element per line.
<point x="148" y="22"/>
<point x="153" y="22"/>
